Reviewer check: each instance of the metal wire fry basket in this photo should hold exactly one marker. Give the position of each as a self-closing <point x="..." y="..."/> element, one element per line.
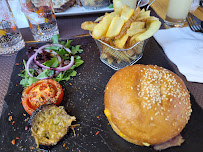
<point x="120" y="58"/>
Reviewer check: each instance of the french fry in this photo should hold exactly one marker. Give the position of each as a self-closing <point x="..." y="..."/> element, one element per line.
<point x="126" y="13"/>
<point x="101" y="28"/>
<point x="133" y="40"/>
<point x="110" y="60"/>
<point x="115" y="27"/>
<point x="142" y="11"/>
<point x="119" y="61"/>
<point x="138" y="31"/>
<point x="88" y="25"/>
<point x="152" y="27"/>
<point x="143" y="16"/>
<point x="121" y="42"/>
<point x="128" y="23"/>
<point x="104" y="55"/>
<point x="118" y="55"/>
<point x="152" y="18"/>
<point x="118" y="6"/>
<point x="136" y="27"/>
<point x="99" y="18"/>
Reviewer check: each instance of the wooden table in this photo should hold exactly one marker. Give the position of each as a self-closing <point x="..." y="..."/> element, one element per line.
<point x="160" y="7"/>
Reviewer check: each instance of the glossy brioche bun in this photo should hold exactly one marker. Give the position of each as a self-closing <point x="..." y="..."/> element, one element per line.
<point x="147" y="104"/>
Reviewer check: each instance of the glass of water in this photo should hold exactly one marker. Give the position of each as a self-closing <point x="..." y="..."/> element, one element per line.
<point x="41" y="18"/>
<point x="11" y="39"/>
<point x="177" y="12"/>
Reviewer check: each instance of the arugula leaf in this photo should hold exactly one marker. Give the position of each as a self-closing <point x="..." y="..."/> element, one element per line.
<point x="66" y="75"/>
<point x="26" y="79"/>
<point x="62" y="52"/>
<point x="46" y="73"/>
<point x="55" y="39"/>
<point x="78" y="62"/>
<point x="67" y="45"/>
<point x="77" y="57"/>
<point x="63" y="42"/>
<point x="52" y="63"/>
<point x="111" y="6"/>
<point x="76" y="49"/>
<point x="54" y="48"/>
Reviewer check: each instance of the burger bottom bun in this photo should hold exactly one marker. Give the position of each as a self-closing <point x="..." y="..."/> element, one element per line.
<point x="146" y="104"/>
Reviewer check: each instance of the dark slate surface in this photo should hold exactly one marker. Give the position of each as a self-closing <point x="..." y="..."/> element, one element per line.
<point x="84" y="99"/>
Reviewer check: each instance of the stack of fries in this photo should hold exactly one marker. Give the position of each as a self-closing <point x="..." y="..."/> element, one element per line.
<point x="122" y="34"/>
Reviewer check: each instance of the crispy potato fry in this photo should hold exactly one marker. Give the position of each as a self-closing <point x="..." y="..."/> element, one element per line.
<point x="128" y="23"/>
<point x="104" y="55"/>
<point x="99" y="18"/>
<point x="88" y="25"/>
<point x="107" y="41"/>
<point x="142" y="11"/>
<point x="101" y="28"/>
<point x="138" y="31"/>
<point x="136" y="27"/>
<point x="119" y="61"/>
<point x="126" y="13"/>
<point x="121" y="42"/>
<point x="135" y="14"/>
<point x="118" y="55"/>
<point x="110" y="60"/>
<point x="152" y="27"/>
<point x="133" y="40"/>
<point x="118" y="6"/>
<point x="143" y="16"/>
<point x="115" y="27"/>
<point x="152" y="18"/>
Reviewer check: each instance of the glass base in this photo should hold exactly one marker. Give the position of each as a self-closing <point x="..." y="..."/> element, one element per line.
<point x="45" y="31"/>
<point x="170" y="22"/>
<point x="11" y="43"/>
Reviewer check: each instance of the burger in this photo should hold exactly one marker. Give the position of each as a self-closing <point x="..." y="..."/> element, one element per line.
<point x="147" y="105"/>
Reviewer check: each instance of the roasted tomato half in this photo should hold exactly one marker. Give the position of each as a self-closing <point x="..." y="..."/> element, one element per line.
<point x="41" y="92"/>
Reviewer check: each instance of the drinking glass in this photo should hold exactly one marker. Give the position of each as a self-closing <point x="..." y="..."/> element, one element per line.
<point x="41" y="18"/>
<point x="131" y="3"/>
<point x="11" y="39"/>
<point x="177" y="12"/>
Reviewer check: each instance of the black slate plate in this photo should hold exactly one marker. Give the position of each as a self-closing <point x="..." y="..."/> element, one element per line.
<point x="84" y="99"/>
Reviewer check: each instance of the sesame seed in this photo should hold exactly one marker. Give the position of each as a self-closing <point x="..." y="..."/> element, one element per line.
<point x="151" y="118"/>
<point x="132" y="88"/>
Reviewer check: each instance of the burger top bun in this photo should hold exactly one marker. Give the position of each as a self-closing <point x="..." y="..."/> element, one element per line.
<point x="147" y="104"/>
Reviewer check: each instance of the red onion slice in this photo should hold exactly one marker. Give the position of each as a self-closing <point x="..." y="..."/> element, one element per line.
<point x="58" y="57"/>
<point x="58" y="70"/>
<point x="28" y="65"/>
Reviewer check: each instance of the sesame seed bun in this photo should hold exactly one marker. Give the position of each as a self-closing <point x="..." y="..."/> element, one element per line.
<point x="146" y="104"/>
